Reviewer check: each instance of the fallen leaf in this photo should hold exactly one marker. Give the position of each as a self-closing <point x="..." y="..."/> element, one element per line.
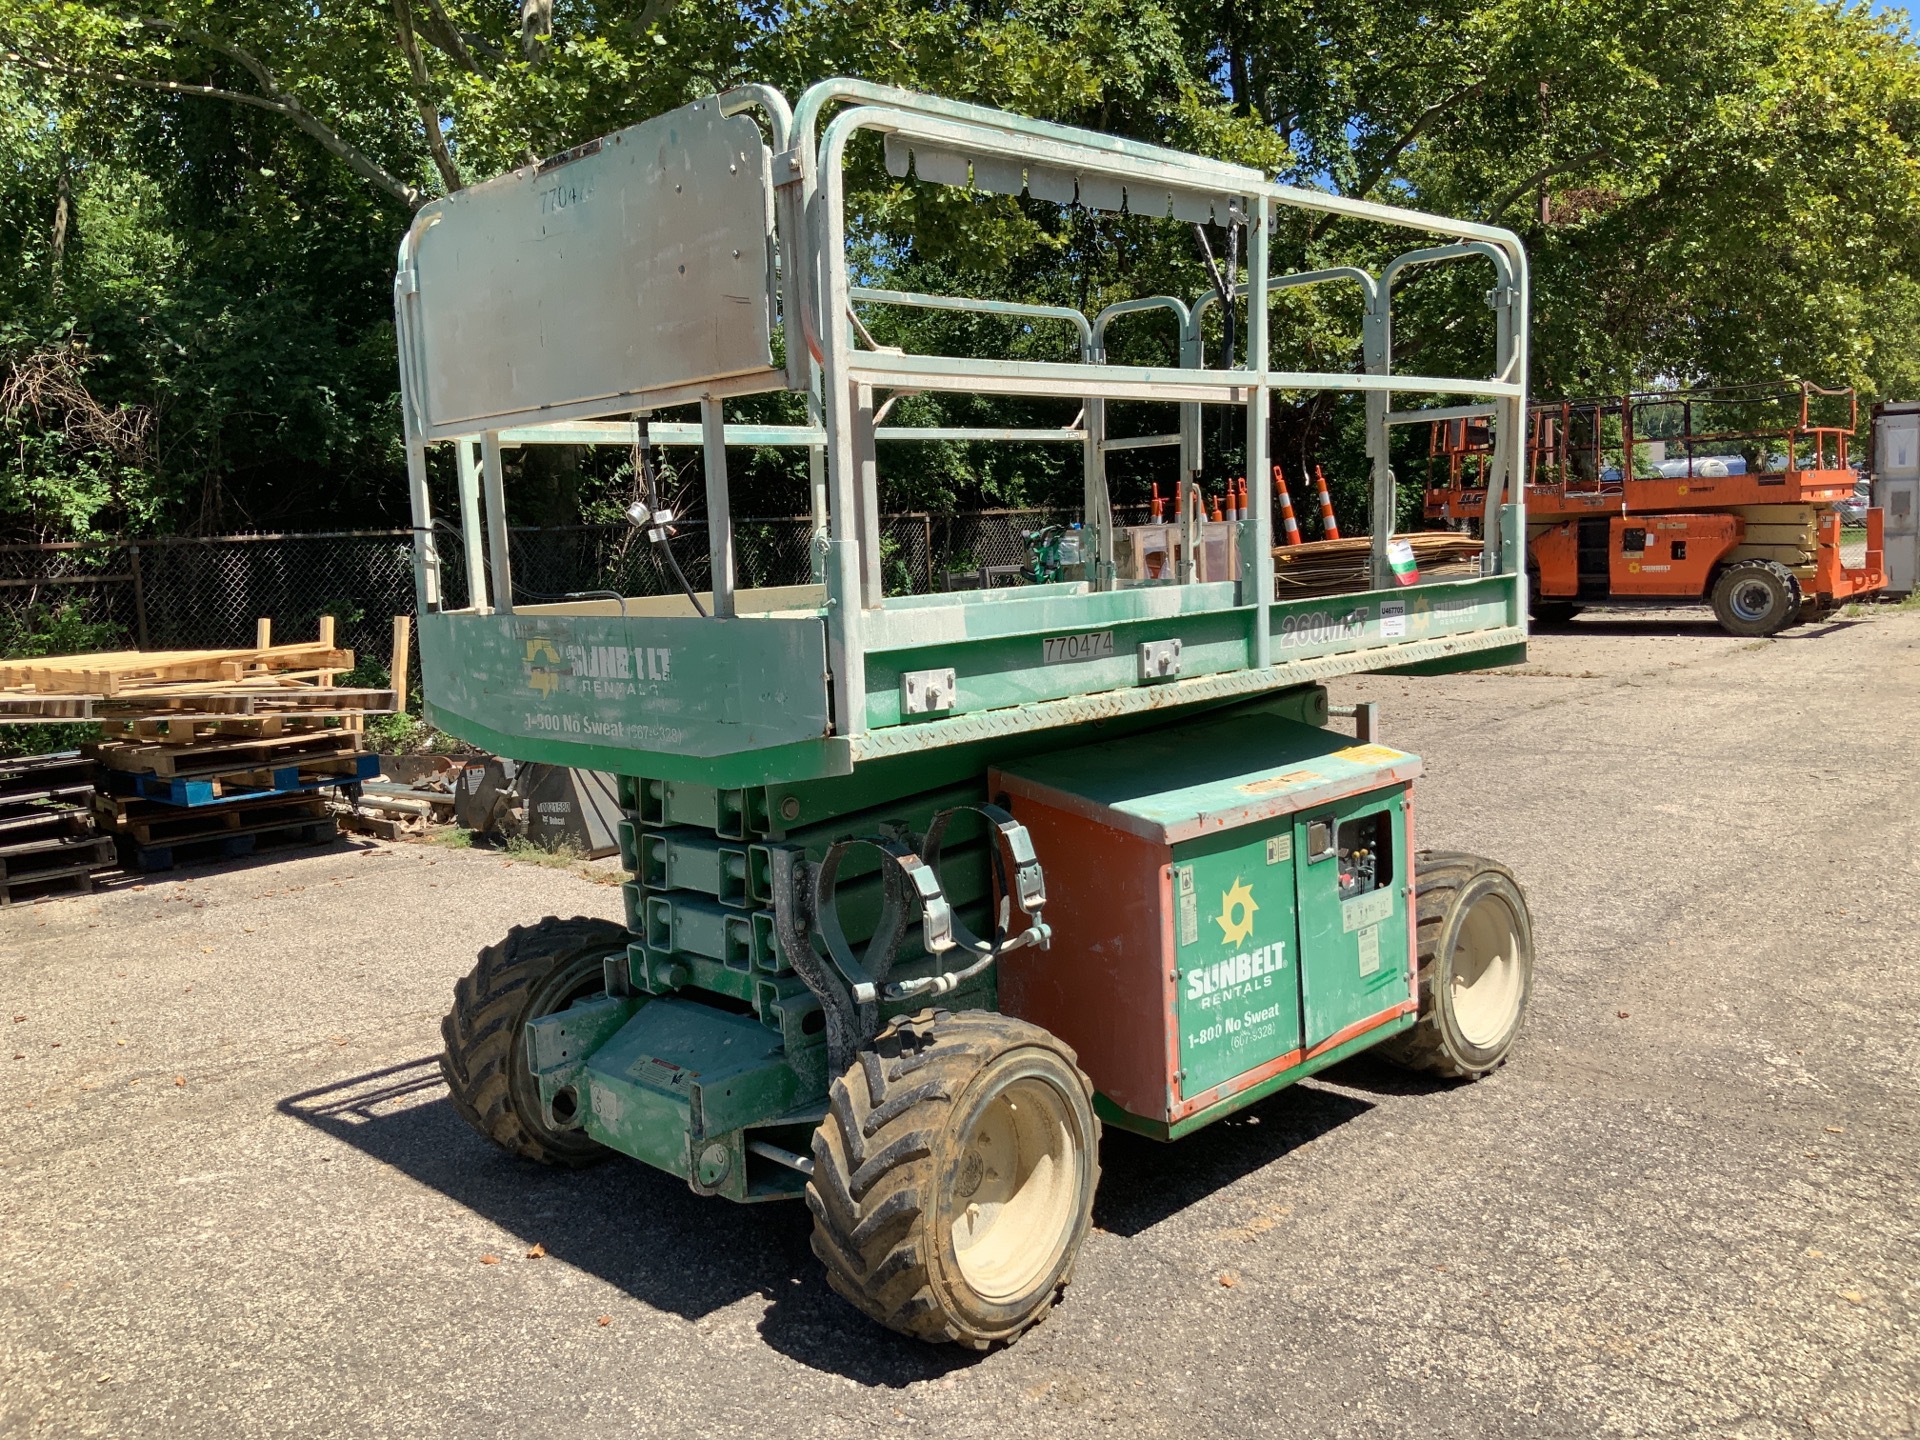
<point x="537" y="1252"/>
<point x="180" y="1080"/>
<point x="120" y="1042"/>
<point x="1229" y="1279"/>
<point x="18" y="1018"/>
<point x="1621" y="1013"/>
<point x="1852" y="1297"/>
<point x="1836" y="1129"/>
<point x="489" y="1259"/>
<point x="606" y="1319"/>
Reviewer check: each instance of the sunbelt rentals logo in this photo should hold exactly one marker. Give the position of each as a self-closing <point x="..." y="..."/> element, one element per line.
<point x="1242" y="973"/>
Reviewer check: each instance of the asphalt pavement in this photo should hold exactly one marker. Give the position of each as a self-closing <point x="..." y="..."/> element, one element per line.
<point x="235" y="1201"/>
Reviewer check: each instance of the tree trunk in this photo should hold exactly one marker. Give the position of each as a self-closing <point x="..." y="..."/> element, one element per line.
<point x="62" y="210"/>
<point x="536" y="27"/>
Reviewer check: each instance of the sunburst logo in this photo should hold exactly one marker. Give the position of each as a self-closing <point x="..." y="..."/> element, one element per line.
<point x="1239" y="899"/>
<point x="542" y="666"/>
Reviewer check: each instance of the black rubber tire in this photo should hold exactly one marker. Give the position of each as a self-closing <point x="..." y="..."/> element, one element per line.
<point x="1733" y="593"/>
<point x="1448" y="885"/>
<point x="1542" y="610"/>
<point x="891" y="1149"/>
<point x="536" y="970"/>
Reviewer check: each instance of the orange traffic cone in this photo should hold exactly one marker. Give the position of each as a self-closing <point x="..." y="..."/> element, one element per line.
<point x="1328" y="525"/>
<point x="1291" y="525"/>
<point x="1156" y="512"/>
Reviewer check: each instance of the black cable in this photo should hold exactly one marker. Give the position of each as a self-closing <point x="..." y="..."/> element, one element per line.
<point x="650" y="496"/>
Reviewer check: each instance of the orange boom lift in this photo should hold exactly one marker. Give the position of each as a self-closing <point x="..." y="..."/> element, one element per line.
<point x="1725" y="496"/>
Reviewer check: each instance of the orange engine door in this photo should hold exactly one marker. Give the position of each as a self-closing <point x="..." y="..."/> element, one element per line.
<point x="1670" y="555"/>
<point x="1555" y="554"/>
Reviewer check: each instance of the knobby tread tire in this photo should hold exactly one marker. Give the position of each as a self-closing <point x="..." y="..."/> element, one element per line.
<point x="877" y="1162"/>
<point x="1439" y="877"/>
<point x="531" y="972"/>
<point x="1783" y="580"/>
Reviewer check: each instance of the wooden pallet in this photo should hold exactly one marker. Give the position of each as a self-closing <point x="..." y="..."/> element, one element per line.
<point x="67" y="775"/>
<point x="166" y="729"/>
<point x="263" y="680"/>
<point x="228" y="845"/>
<point x="216" y="787"/>
<point x="19" y="823"/>
<point x="152" y="822"/>
<point x="224" y="755"/>
<point x="117" y="672"/>
<point x="27" y="708"/>
<point x="39" y="887"/>
<point x="67" y="860"/>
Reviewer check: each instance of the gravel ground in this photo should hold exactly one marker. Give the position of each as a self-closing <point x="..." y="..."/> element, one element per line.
<point x="235" y="1202"/>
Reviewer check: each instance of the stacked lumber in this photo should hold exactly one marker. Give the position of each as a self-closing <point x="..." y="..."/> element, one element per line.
<point x="48" y="838"/>
<point x="206" y="754"/>
<point x="264" y="680"/>
<point x="1328" y="567"/>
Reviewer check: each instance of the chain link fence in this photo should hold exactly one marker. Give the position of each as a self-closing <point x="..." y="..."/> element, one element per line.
<point x="190" y="592"/>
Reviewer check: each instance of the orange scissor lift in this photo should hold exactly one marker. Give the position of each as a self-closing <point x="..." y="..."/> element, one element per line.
<point x="1725" y="496"/>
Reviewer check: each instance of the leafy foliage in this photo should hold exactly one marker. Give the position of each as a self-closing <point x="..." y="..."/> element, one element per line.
<point x="199" y="204"/>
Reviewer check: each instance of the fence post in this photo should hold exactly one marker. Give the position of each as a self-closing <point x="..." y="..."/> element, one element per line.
<point x="139" y="596"/>
<point x="926" y="551"/>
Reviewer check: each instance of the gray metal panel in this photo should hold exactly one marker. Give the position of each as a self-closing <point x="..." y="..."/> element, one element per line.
<point x="636" y="264"/>
<point x="1101" y="192"/>
<point x="940" y="167"/>
<point x="998" y="174"/>
<point x="1054" y="185"/>
<point x="1897" y="444"/>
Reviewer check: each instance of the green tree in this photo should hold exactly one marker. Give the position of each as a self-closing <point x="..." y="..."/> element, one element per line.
<point x="201" y="204"/>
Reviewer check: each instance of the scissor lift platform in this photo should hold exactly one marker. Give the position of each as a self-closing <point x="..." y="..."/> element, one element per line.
<point x="671" y="253"/>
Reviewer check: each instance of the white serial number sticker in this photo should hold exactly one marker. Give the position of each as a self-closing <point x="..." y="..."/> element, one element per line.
<point x="1064" y="649"/>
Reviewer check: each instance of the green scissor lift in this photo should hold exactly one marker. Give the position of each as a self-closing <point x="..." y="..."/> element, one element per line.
<point x="927" y="887"/>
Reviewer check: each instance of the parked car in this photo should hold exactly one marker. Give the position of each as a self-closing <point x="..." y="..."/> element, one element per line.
<point x="1853" y="509"/>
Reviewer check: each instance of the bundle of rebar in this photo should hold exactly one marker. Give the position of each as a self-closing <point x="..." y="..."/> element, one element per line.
<point x="1327" y="567"/>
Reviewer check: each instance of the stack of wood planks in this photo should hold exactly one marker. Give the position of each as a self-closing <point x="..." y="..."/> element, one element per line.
<point x="48" y="839"/>
<point x="1329" y="567"/>
<point x="150" y="685"/>
<point x="206" y="754"/>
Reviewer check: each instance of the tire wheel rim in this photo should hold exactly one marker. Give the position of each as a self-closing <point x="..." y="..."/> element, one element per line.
<point x="1752" y="600"/>
<point x="1015" y="1196"/>
<point x="1488" y="980"/>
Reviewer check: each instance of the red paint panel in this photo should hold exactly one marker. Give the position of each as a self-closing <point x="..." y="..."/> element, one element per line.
<point x="1102" y="986"/>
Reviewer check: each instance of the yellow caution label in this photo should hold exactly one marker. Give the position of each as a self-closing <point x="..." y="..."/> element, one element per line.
<point x="1370" y="754"/>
